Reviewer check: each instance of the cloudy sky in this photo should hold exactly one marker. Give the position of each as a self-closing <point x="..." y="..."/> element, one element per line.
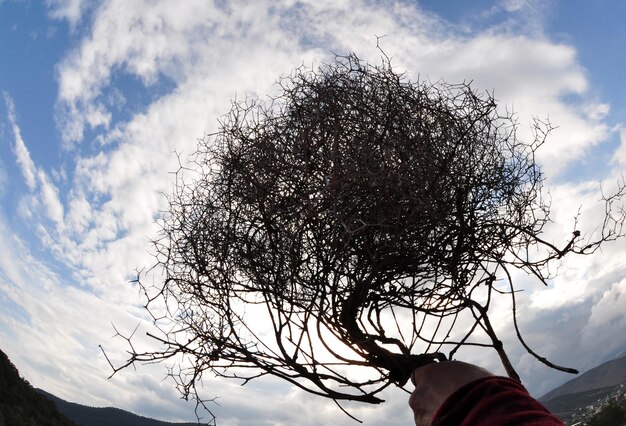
<point x="97" y="96"/>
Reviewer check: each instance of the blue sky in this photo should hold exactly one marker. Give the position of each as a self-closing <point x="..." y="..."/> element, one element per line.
<point x="97" y="96"/>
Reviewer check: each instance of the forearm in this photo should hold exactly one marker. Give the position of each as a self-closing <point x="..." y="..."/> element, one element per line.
<point x="493" y="401"/>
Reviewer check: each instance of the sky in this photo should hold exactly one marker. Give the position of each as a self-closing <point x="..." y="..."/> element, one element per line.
<point x="97" y="97"/>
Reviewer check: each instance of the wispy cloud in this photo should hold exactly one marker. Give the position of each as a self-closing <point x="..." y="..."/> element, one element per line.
<point x="619" y="157"/>
<point x="35" y="178"/>
<point x="72" y="10"/>
<point x="526" y="17"/>
<point x="22" y="155"/>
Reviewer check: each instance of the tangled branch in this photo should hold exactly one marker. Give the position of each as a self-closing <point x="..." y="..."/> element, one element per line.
<point x="356" y="215"/>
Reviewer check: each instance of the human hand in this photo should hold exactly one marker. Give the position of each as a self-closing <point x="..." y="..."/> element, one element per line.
<point x="435" y="382"/>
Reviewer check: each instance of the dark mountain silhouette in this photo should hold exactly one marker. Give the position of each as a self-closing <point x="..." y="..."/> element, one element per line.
<point x="83" y="415"/>
<point x="21" y="405"/>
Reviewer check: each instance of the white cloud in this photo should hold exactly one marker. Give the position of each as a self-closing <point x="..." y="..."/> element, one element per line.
<point x="21" y="152"/>
<point x="607" y="315"/>
<point x="72" y="10"/>
<point x="50" y="197"/>
<point x="619" y="157"/>
<point x="515" y="5"/>
<point x="598" y="111"/>
<point x="532" y="78"/>
<point x="35" y="178"/>
<point x="146" y="39"/>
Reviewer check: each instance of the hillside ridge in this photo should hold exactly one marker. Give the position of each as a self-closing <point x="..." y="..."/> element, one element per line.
<point x="20" y="404"/>
<point x="610" y="373"/>
<point x="84" y="415"/>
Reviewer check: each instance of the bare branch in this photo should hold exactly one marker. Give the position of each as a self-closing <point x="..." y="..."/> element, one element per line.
<point x="365" y="213"/>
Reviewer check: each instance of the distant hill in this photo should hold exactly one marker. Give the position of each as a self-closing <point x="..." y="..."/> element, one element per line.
<point x="83" y="415"/>
<point x="21" y="405"/>
<point x="584" y="395"/>
<point x="609" y="374"/>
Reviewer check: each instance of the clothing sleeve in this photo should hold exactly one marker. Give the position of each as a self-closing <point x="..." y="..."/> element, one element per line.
<point x="493" y="401"/>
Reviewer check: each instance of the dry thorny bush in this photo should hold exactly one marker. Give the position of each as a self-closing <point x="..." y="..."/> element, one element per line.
<point x="363" y="214"/>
